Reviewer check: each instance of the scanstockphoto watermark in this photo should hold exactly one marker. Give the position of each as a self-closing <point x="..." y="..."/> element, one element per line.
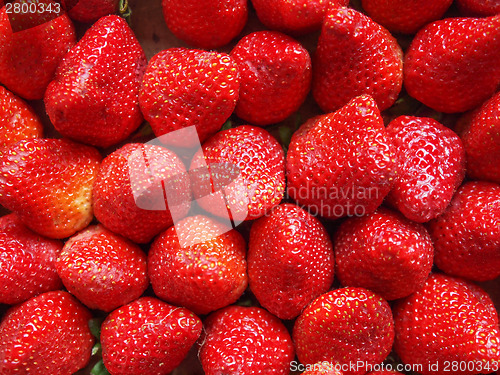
<point x="358" y="366"/>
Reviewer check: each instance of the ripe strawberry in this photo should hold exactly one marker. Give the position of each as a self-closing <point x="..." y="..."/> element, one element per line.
<point x="147" y="336"/>
<point x="48" y="334"/>
<point x="205" y="23"/>
<point x="342" y="163"/>
<point x="260" y="164"/>
<point x="89" y="11"/>
<point x="199" y="264"/>
<point x="102" y="269"/>
<point x="129" y="191"/>
<point x="349" y="325"/>
<point x="452" y="64"/>
<point x="275" y="76"/>
<point x="290" y="260"/>
<point x="48" y="183"/>
<point x="17" y="120"/>
<point x="405" y="17"/>
<point x="430" y="166"/>
<point x="355" y="56"/>
<point x="94" y="96"/>
<point x="467" y="236"/>
<point x="383" y="252"/>
<point x="294" y="17"/>
<point x="245" y="340"/>
<point x="30" y="55"/>
<point x="448" y="320"/>
<point x="28" y="262"/>
<point x="479" y="8"/>
<point x="183" y="87"/>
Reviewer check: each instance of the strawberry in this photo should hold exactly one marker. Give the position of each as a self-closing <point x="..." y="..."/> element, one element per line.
<point x="89" y="11"/>
<point x="430" y="166"/>
<point x="290" y="260"/>
<point x="260" y="183"/>
<point x="48" y="183"/>
<point x="28" y="262"/>
<point x="245" y="340"/>
<point x="355" y="56"/>
<point x="147" y="336"/>
<point x="479" y="8"/>
<point x="94" y="96"/>
<point x="184" y="87"/>
<point x="405" y="17"/>
<point x="452" y="64"/>
<point x="480" y="134"/>
<point x="275" y="76"/>
<point x="48" y="334"/>
<point x="383" y="252"/>
<point x="342" y="163"/>
<point x="349" y="325"/>
<point x="129" y="191"/>
<point x="205" y="23"/>
<point x="294" y="17"/>
<point x="199" y="264"/>
<point x="447" y="321"/>
<point x="17" y="120"/>
<point x="466" y="236"/>
<point x="30" y="55"/>
<point x="102" y="269"/>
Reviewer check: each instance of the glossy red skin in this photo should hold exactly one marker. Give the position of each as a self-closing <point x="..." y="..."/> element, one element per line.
<point x="245" y="340"/>
<point x="47" y="334"/>
<point x="202" y="276"/>
<point x="355" y="56"/>
<point x="449" y="319"/>
<point x="102" y="269"/>
<point x="452" y="64"/>
<point x="89" y="11"/>
<point x="466" y="236"/>
<point x="207" y="102"/>
<point x="342" y="163"/>
<point x="345" y="326"/>
<point x="406" y="17"/>
<point x="28" y="262"/>
<point x="275" y="75"/>
<point x="48" y="184"/>
<point x="94" y="97"/>
<point x="29" y="58"/>
<point x="479" y="8"/>
<point x="147" y="336"/>
<point x="205" y="23"/>
<point x="430" y="166"/>
<point x="383" y="252"/>
<point x="290" y="260"/>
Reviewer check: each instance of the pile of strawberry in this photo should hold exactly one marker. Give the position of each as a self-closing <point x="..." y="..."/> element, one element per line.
<point x="339" y="214"/>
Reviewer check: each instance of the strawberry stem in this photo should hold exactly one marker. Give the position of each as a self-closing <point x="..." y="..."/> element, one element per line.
<point x="125" y="10"/>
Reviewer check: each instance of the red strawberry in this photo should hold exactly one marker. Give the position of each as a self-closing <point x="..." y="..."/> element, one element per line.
<point x="89" y="11"/>
<point x="447" y="321"/>
<point x="294" y="17"/>
<point x="355" y="56"/>
<point x="349" y="325"/>
<point x="290" y="260"/>
<point x="94" y="96"/>
<point x="205" y="23"/>
<point x="48" y="183"/>
<point x="103" y="270"/>
<point x="30" y="55"/>
<point x="199" y="264"/>
<point x="147" y="336"/>
<point x="479" y="7"/>
<point x="407" y="17"/>
<point x="129" y="191"/>
<point x="48" y="334"/>
<point x="342" y="163"/>
<point x="275" y="76"/>
<point x="430" y="166"/>
<point x="383" y="252"/>
<point x="183" y="87"/>
<point x="28" y="262"/>
<point x="246" y="341"/>
<point x="467" y="236"/>
<point x="452" y="64"/>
